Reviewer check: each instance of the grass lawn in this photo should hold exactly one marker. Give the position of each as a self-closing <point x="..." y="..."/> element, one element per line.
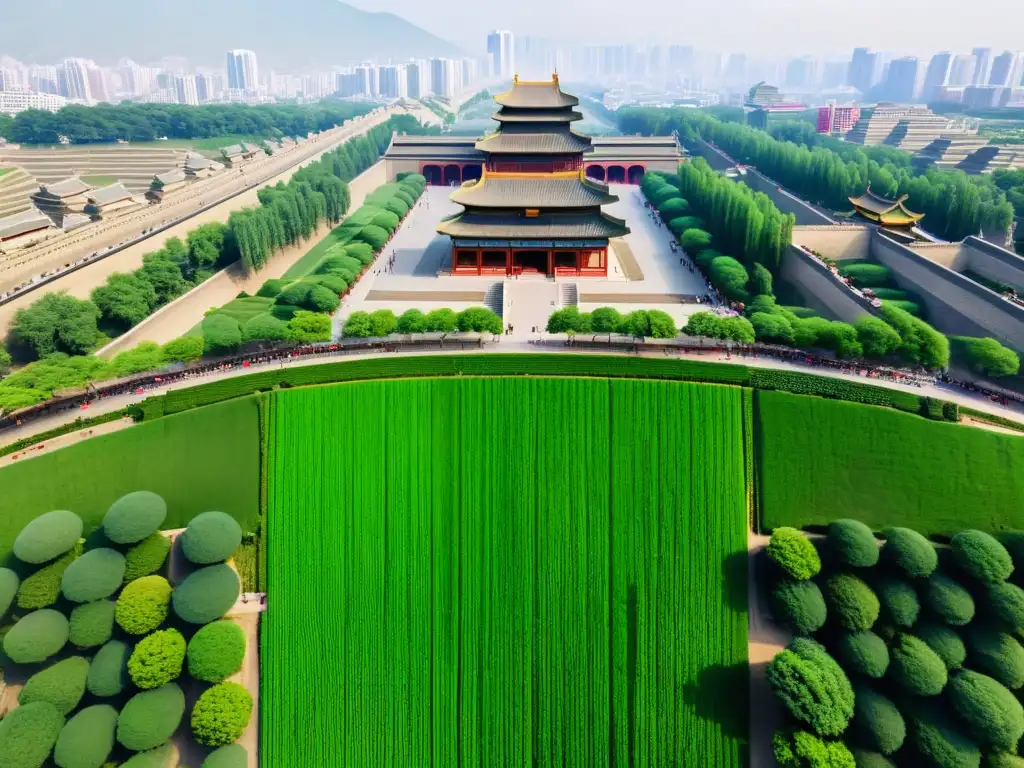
<point x="824" y="459"/>
<point x="245" y="309"/>
<point x="506" y="571"/>
<point x="201" y="460"/>
<point x="100" y="181"/>
<point x="4" y="171"/>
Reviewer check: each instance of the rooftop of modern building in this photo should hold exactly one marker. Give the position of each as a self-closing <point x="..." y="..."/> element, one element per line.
<point x="570" y="189"/>
<point x="536" y="94"/>
<point x="546" y="226"/>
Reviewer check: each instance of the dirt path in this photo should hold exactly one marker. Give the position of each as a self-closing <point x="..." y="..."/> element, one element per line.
<point x="765" y="639"/>
<point x="972" y="422"/>
<point x="65" y="440"/>
<point x="249" y="676"/>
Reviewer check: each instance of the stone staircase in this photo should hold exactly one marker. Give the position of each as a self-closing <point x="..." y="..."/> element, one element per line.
<point x="16" y="187"/>
<point x="494" y="299"/>
<point x="568" y="295"/>
<point x="133" y="166"/>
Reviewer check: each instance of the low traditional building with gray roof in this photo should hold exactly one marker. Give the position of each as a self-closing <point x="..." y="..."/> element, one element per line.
<point x="61" y="198"/>
<point x="107" y="200"/>
<point x="21" y="228"/>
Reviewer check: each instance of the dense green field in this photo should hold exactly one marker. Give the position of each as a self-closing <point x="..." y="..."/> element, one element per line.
<point x="200" y="460"/>
<point x="506" y="572"/>
<point x="823" y="459"/>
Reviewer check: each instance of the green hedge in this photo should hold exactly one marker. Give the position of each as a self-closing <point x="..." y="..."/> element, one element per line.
<point x="949" y="600"/>
<point x="108" y="673"/>
<point x="800" y="606"/>
<point x="916" y="667"/>
<point x="92" y="624"/>
<point x="1006" y="601"/>
<point x="981" y="556"/>
<point x="62" y="685"/>
<point x="8" y="589"/>
<point x="862" y="652"/>
<point x="947" y="644"/>
<point x="134" y="516"/>
<point x="899" y="602"/>
<point x="95" y="575"/>
<point x="910" y="552"/>
<point x="211" y="538"/>
<point x="221" y="714"/>
<point x="822" y="386"/>
<point x="150" y="718"/>
<point x="146" y="557"/>
<point x="992" y="714"/>
<point x="852" y="543"/>
<point x="216" y="651"/>
<point x="997" y="654"/>
<point x="207" y="594"/>
<point x="64" y="429"/>
<point x="142" y="605"/>
<point x="42" y="588"/>
<point x="230" y="756"/>
<point x="157" y="659"/>
<point x="793" y="553"/>
<point x="877" y="721"/>
<point x="36" y="637"/>
<point x="160" y="757"/>
<point x="851" y="602"/>
<point x="27" y="735"/>
<point x="48" y="536"/>
<point x="88" y="738"/>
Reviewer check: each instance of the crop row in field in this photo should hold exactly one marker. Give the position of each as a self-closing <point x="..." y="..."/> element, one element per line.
<point x="506" y="572"/>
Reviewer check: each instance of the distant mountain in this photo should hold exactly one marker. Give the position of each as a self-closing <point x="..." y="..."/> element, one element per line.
<point x="292" y="35"/>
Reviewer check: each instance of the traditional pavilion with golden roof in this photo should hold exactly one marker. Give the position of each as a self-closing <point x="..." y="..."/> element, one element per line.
<point x="888" y="213"/>
<point x="533" y="210"/>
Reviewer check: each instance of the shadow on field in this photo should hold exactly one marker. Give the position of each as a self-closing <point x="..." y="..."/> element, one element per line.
<point x="721" y="694"/>
<point x="734" y="575"/>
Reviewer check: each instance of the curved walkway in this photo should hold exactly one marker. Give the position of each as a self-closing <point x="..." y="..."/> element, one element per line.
<point x="117" y="402"/>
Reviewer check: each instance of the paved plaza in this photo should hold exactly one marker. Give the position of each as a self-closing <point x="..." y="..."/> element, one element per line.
<point x="643" y="273"/>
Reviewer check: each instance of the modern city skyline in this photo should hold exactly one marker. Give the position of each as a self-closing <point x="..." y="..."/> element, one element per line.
<point x="243" y="71"/>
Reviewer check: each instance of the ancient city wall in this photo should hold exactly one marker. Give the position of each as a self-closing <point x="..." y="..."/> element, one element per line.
<point x="838" y="242"/>
<point x="823" y="290"/>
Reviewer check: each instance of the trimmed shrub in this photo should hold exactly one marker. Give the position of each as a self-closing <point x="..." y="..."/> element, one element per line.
<point x="211" y="537"/>
<point x="1005" y="600"/>
<point x="95" y="575"/>
<point x="28" y="733"/>
<point x="206" y="594"/>
<point x="852" y="543"/>
<point x="221" y="714"/>
<point x="134" y="516"/>
<point x="36" y="637"/>
<point x="150" y="718"/>
<point x="142" y="605"/>
<point x="373" y="236"/>
<point x="92" y="624"/>
<point x="222" y="334"/>
<point x="997" y="654"/>
<point x="695" y="240"/>
<point x="793" y="553"/>
<point x="899" y="602"/>
<point x="157" y="659"/>
<point x="800" y="749"/>
<point x="8" y="589"/>
<point x="48" y="536"/>
<point x="88" y="738"/>
<point x="361" y="251"/>
<point x="910" y="552"/>
<point x="673" y="208"/>
<point x="862" y="652"/>
<point x="335" y="283"/>
<point x="992" y="714"/>
<point x="264" y="327"/>
<point x="877" y="721"/>
<point x="979" y="555"/>
<point x="229" y="756"/>
<point x="412" y="321"/>
<point x="916" y="667"/>
<point x="866" y="274"/>
<point x="800" y="606"/>
<point x="216" y="651"/>
<point x="1004" y="761"/>
<point x="387" y="220"/>
<point x="865" y="759"/>
<point x="160" y="757"/>
<point x="271" y="288"/>
<point x="953" y="604"/>
<point x="730" y="277"/>
<point x="42" y="588"/>
<point x="108" y="673"/>
<point x="937" y="738"/>
<point x="851" y="602"/>
<point x="813" y="687"/>
<point x="946" y="643"/>
<point x="146" y="557"/>
<point x="62" y="685"/>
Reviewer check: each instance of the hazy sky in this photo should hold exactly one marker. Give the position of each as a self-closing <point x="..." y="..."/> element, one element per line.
<point x="783" y="27"/>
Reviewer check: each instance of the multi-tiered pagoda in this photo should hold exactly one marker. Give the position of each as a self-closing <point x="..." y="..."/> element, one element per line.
<point x="533" y="210"/>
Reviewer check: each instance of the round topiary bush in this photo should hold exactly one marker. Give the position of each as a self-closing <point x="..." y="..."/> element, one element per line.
<point x="28" y="733"/>
<point x="991" y="714"/>
<point x="862" y="652"/>
<point x="150" y="718"/>
<point x="8" y="589"/>
<point x="146" y="557"/>
<point x="36" y="637"/>
<point x="134" y="516"/>
<point x="813" y="687"/>
<point x="108" y="673"/>
<point x="851" y="602"/>
<point x="142" y="605"/>
<point x="48" y="536"/>
<point x="864" y="759"/>
<point x="949" y="600"/>
<point x="211" y="537"/>
<point x="940" y="741"/>
<point x="877" y="721"/>
<point x="916" y="667"/>
<point x="160" y="757"/>
<point x="230" y="756"/>
<point x="88" y="738"/>
<point x="799" y="605"/>
<point x="216" y="651"/>
<point x="1005" y="600"/>
<point x="62" y="685"/>
<point x="1004" y="760"/>
<point x="92" y="624"/>
<point x="946" y="643"/>
<point x="206" y="594"/>
<point x="42" y="588"/>
<point x="898" y="600"/>
<point x="852" y="543"/>
<point x="798" y="749"/>
<point x="979" y="555"/>
<point x="157" y="659"/>
<point x="910" y="552"/>
<point x="95" y="575"/>
<point x="221" y="714"/>
<point x="793" y="553"/>
<point x="997" y="654"/>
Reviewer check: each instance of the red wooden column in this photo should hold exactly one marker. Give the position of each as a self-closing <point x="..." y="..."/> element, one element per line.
<point x="508" y="261"/>
<point x="551" y="263"/>
<point x="479" y="260"/>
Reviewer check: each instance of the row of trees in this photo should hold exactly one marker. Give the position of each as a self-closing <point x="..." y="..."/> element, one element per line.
<point x="907" y="653"/>
<point x="383" y="322"/>
<point x="828" y="172"/>
<point x="640" y="324"/>
<point x="106" y="123"/>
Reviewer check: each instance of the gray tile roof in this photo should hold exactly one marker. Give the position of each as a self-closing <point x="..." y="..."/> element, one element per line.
<point x="66" y="188"/>
<point x="235" y="150"/>
<point x="26" y="221"/>
<point x="173" y="176"/>
<point x="536" y="95"/>
<point x="508" y="191"/>
<point x="512" y="115"/>
<point x="194" y="162"/>
<point x="534" y="143"/>
<point x="454" y="149"/>
<point x="74" y="220"/>
<point x="544" y="227"/>
<point x="112" y="194"/>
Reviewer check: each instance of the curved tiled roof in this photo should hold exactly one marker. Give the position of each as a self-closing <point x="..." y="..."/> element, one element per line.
<point x="20" y="223"/>
<point x="887" y="212"/>
<point x="536" y="95"/>
<point x="66" y="188"/>
<point x="112" y="194"/>
<point x="518" y="190"/>
<point x="598" y="226"/>
<point x="535" y="143"/>
<point x="512" y="115"/>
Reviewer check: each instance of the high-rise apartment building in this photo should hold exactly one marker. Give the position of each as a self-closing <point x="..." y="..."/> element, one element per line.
<point x="1007" y="69"/>
<point x="937" y="74"/>
<point x="186" y="90"/>
<point x="444" y="77"/>
<point x="73" y="79"/>
<point x="962" y="71"/>
<point x="204" y="88"/>
<point x="802" y="73"/>
<point x="983" y="65"/>
<point x="243" y="73"/>
<point x="416" y="79"/>
<point x="903" y="83"/>
<point x="468" y="73"/>
<point x="865" y="69"/>
<point x="394" y="82"/>
<point x="501" y="53"/>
